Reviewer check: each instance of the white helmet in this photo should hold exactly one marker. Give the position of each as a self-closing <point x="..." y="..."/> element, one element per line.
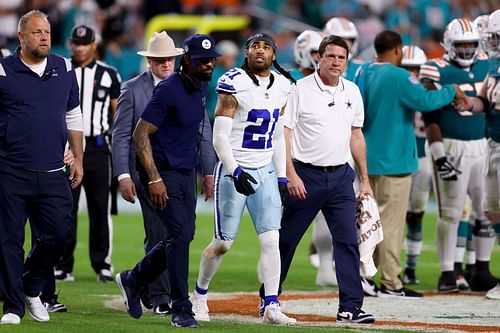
<point x="413" y="56"/>
<point x="305" y="44"/>
<point x="493" y="30"/>
<point x="481" y="23"/>
<point x="342" y="27"/>
<point x="461" y="31"/>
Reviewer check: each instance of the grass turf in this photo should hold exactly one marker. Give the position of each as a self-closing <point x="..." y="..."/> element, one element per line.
<point x="85" y="297"/>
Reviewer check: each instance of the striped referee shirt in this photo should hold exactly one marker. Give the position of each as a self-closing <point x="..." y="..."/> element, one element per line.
<point x="99" y="83"/>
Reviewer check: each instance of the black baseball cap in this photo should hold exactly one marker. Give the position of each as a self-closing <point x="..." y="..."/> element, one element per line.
<point x="200" y="46"/>
<point x="260" y="36"/>
<point x="82" y="34"/>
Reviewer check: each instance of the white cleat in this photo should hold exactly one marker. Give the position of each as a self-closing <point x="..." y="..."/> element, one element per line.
<point x="36" y="309"/>
<point x="494" y="293"/>
<point x="10" y="319"/>
<point x="326" y="276"/>
<point x="200" y="307"/>
<point x="273" y="315"/>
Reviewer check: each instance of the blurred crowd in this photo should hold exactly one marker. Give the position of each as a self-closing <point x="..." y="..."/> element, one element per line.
<point x="121" y="24"/>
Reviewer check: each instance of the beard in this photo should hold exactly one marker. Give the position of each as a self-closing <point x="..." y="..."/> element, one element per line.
<point x="205" y="76"/>
<point x="39" y="53"/>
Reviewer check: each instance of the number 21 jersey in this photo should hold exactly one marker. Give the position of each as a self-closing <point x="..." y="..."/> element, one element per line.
<point x="256" y="116"/>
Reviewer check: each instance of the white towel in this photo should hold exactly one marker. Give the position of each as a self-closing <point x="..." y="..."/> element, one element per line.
<point x="369" y="234"/>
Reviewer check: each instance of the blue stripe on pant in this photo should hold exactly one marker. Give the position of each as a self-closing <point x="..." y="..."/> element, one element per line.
<point x="333" y="194"/>
<point x="173" y="251"/>
<point x="46" y="199"/>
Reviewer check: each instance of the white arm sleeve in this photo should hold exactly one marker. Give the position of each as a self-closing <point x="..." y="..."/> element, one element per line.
<point x="74" y="119"/>
<point x="279" y="153"/>
<point x="222" y="130"/>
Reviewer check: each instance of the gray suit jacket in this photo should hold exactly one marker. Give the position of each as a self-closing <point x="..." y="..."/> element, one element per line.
<point x="134" y="95"/>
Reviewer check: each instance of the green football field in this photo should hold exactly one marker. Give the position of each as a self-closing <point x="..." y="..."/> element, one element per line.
<point x="85" y="297"/>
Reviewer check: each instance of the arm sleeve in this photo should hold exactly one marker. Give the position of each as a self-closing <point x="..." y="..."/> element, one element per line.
<point x="279" y="152"/>
<point x="74" y="93"/>
<point x="222" y="130"/>
<point x="122" y="131"/>
<point x="74" y="119"/>
<point x="115" y="84"/>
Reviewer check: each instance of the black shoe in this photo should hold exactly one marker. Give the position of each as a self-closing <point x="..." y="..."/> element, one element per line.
<point x="369" y="286"/>
<point x="405" y="293"/>
<point x="105" y="276"/>
<point x="355" y="315"/>
<point x="409" y="277"/>
<point x="162" y="310"/>
<point x="447" y="282"/>
<point x="130" y="293"/>
<point x="145" y="298"/>
<point x="184" y="318"/>
<point x="51" y="304"/>
<point x="482" y="281"/>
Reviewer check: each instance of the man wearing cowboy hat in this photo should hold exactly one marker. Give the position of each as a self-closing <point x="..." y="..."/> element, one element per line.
<point x="134" y="96"/>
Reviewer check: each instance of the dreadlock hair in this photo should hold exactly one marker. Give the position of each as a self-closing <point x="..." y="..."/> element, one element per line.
<point x="280" y="69"/>
<point x="183" y="65"/>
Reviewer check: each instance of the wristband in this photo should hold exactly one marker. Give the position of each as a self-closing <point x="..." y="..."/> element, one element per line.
<point x="151" y="182"/>
<point x="283" y="180"/>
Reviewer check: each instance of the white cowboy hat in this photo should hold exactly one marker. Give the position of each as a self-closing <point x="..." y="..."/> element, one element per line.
<point x="161" y="45"/>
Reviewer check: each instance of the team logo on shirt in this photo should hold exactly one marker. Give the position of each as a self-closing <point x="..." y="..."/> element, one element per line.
<point x="348" y="104"/>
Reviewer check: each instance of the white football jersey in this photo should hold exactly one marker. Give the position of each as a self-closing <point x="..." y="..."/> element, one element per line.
<point x="256" y="116"/>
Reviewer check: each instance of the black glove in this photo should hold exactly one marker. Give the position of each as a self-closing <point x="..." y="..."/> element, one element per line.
<point x="446" y="170"/>
<point x="242" y="181"/>
<point x="283" y="188"/>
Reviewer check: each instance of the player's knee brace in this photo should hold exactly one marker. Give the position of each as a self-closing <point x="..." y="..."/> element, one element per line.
<point x="483" y="228"/>
<point x="269" y="239"/>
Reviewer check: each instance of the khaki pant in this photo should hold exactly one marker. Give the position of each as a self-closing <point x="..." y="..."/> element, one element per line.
<point x="392" y="194"/>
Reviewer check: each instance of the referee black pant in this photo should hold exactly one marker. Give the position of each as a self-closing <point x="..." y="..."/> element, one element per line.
<point x="96" y="181"/>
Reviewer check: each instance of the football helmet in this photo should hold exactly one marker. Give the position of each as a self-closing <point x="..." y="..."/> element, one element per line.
<point x="342" y="27"/>
<point x="481" y="23"/>
<point x="493" y="38"/>
<point x="305" y="44"/>
<point x="460" y="31"/>
<point x="413" y="56"/>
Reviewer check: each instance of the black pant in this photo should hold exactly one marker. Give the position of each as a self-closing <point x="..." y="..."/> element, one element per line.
<point x="173" y="251"/>
<point x="96" y="181"/>
<point x="46" y="199"/>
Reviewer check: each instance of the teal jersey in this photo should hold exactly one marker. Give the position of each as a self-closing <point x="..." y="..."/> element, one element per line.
<point x="493" y="95"/>
<point x="458" y="125"/>
<point x="352" y="68"/>
<point x="390" y="96"/>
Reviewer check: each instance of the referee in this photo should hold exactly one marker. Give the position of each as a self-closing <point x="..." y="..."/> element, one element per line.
<point x="99" y="90"/>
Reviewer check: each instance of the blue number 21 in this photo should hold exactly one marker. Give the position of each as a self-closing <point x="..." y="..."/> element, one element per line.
<point x="260" y="136"/>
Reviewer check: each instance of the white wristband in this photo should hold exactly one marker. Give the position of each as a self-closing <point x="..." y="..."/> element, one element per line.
<point x="437" y="149"/>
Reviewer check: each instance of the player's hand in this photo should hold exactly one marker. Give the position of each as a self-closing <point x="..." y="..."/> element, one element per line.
<point x="242" y="181"/>
<point x="283" y="188"/>
<point x="158" y="194"/>
<point x="446" y="170"/>
<point x="127" y="189"/>
<point x="207" y="187"/>
<point x="69" y="158"/>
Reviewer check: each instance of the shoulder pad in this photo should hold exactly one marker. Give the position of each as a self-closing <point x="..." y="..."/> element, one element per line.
<point x="280" y="81"/>
<point x="429" y="71"/>
<point x="234" y="81"/>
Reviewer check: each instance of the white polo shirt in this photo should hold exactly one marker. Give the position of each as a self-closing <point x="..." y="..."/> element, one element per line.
<point x="321" y="118"/>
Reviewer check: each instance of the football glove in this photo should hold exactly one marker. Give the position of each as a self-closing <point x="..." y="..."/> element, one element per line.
<point x="283" y="188"/>
<point x="446" y="170"/>
<point x="242" y="181"/>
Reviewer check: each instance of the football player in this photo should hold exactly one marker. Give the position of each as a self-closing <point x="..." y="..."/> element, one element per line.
<point x="249" y="141"/>
<point x="458" y="149"/>
<point x="342" y="27"/>
<point x="413" y="58"/>
<point x="489" y="101"/>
